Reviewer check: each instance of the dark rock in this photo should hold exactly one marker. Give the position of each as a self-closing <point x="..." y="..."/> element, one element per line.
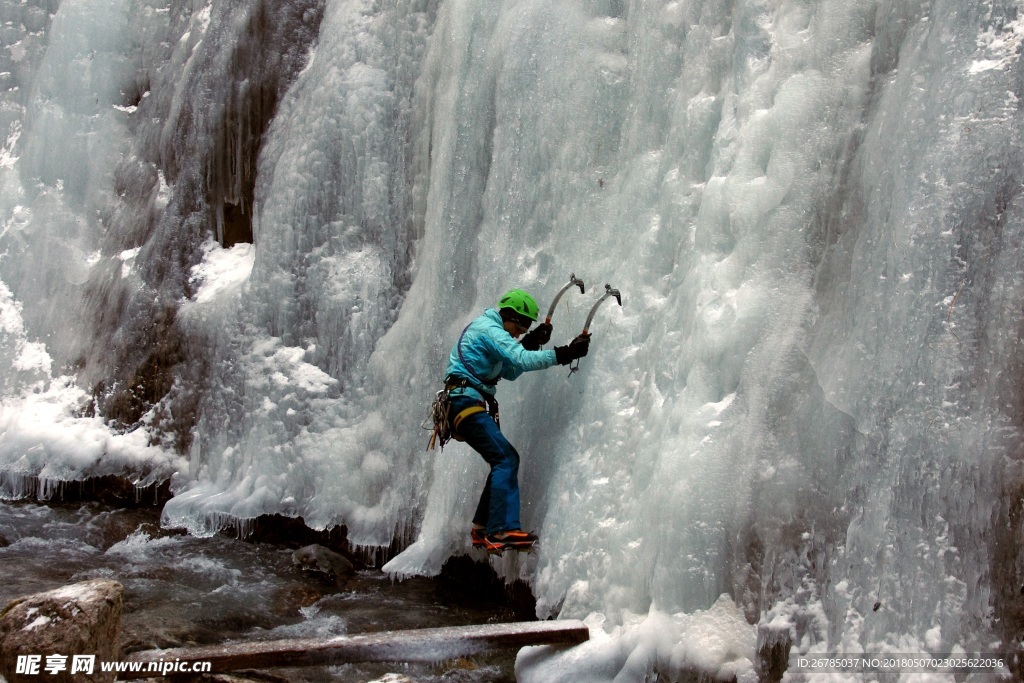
<point x="464" y="581"/>
<point x="110" y="489"/>
<point x="80" y="619"/>
<point x="317" y="558"/>
<point x="773" y="646"/>
<point x="292" y="532"/>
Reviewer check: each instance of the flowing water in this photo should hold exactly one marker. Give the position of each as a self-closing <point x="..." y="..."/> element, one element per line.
<point x="181" y="590"/>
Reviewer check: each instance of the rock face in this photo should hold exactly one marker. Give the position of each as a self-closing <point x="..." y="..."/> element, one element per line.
<point x="316" y="558"/>
<point x="50" y="630"/>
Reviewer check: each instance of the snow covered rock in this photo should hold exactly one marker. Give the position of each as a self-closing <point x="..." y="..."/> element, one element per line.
<point x="80" y="619"/>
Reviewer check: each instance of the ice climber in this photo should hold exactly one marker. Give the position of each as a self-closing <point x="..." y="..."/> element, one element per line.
<point x="485" y="352"/>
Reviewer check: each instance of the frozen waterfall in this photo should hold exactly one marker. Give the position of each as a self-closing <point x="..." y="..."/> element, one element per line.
<point x="238" y="239"/>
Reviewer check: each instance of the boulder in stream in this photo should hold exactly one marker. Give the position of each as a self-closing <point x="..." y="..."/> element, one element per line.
<point x="63" y="634"/>
<point x="318" y="559"/>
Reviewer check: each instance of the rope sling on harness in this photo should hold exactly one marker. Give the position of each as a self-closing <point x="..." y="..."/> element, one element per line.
<point x="446" y="427"/>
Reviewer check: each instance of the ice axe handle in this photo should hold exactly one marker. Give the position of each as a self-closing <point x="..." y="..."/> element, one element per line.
<point x="573" y="280"/>
<point x="608" y="291"/>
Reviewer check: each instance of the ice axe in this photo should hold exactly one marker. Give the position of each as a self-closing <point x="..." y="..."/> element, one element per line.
<point x="608" y="291"/>
<point x="573" y="280"/>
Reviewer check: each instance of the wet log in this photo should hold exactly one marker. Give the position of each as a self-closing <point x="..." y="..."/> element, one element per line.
<point x="415" y="645"/>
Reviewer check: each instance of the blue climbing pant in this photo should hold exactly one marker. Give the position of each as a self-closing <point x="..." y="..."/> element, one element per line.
<point x="498" y="509"/>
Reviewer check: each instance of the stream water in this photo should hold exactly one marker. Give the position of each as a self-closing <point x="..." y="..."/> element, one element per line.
<point x="181" y="590"/>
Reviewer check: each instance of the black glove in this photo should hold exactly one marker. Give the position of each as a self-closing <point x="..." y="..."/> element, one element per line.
<point x="537" y="337"/>
<point x="577" y="348"/>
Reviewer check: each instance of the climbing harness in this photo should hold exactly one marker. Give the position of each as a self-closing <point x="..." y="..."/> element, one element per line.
<point x="608" y="291"/>
<point x="445" y="426"/>
<point x="573" y="280"/>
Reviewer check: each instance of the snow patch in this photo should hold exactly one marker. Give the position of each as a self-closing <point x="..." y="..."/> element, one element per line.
<point x="717" y="642"/>
<point x="1002" y="48"/>
<point x="222" y="272"/>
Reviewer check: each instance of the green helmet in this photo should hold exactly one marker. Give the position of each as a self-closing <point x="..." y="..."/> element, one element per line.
<point x="520" y="302"/>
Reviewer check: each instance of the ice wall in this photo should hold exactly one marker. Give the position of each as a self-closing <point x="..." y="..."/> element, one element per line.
<point x="808" y="401"/>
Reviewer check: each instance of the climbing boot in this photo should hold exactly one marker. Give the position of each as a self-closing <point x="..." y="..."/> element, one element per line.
<point x="514" y="539"/>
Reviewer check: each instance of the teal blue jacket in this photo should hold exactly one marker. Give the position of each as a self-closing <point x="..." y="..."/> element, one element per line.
<point x="489" y="353"/>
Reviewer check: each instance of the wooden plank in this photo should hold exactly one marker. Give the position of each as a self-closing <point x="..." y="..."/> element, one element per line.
<point x="415" y="645"/>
